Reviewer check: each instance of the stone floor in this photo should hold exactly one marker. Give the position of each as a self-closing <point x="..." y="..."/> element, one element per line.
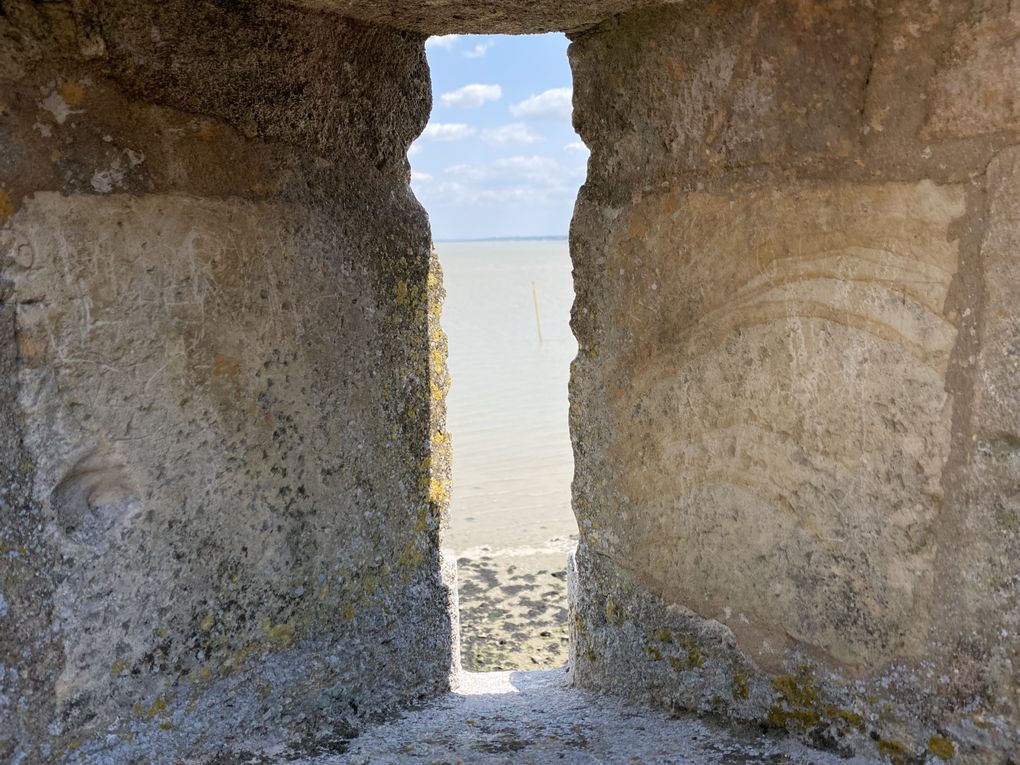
<point x="534" y="718"/>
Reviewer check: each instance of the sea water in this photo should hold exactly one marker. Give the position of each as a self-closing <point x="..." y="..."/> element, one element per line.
<point x="506" y="315"/>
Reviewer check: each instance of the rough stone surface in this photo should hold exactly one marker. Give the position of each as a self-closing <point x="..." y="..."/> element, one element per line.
<point x="514" y="17"/>
<point x="223" y="378"/>
<point x="800" y="303"/>
<point x="795" y="478"/>
<point x="531" y="718"/>
<point x="794" y="408"/>
<point x="537" y="718"/>
<point x="974" y="94"/>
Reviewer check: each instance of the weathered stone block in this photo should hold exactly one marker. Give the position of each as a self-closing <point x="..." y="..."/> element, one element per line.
<point x="714" y="85"/>
<point x="219" y="487"/>
<point x="792" y="405"/>
<point x="223" y="457"/>
<point x="784" y="481"/>
<point x="978" y="90"/>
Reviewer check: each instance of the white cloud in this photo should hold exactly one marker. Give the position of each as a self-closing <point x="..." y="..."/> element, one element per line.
<point x="478" y="51"/>
<point x="414" y="148"/>
<point x="532" y="168"/>
<point x="517" y="132"/>
<point x="445" y="42"/>
<point x="417" y="177"/>
<point x="577" y="146"/>
<point x="522" y="181"/>
<point x="471" y="95"/>
<point x="551" y="104"/>
<point x="447" y="131"/>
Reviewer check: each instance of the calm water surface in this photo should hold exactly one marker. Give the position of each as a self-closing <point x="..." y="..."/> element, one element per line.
<point x="507" y="407"/>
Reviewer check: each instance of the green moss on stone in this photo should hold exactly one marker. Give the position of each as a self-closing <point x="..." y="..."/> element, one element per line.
<point x="148" y="713"/>
<point x="851" y="718"/>
<point x="895" y="751"/>
<point x="941" y="747"/>
<point x="740" y="690"/>
<point x="663" y="635"/>
<point x="782" y="718"/>
<point x="614" y="612"/>
<point x="796" y="691"/>
<point x="280" y="635"/>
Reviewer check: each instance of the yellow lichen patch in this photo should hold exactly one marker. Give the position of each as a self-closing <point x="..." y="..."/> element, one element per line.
<point x="403" y="295"/>
<point x="653" y="653"/>
<point x="280" y="635"/>
<point x="781" y="718"/>
<point x="852" y="719"/>
<point x="439" y="491"/>
<point x="941" y="747"/>
<point x="796" y="705"/>
<point x="740" y="689"/>
<point x="798" y="691"/>
<point x="6" y="205"/>
<point x="895" y="751"/>
<point x="207" y="622"/>
<point x="237" y="661"/>
<point x="72" y="92"/>
<point x="438" y="359"/>
<point x="694" y="659"/>
<point x="369" y="584"/>
<point x="422" y="524"/>
<point x="159" y="705"/>
<point x="663" y="635"/>
<point x="118" y="667"/>
<point x="614" y="612"/>
<point x="411" y="558"/>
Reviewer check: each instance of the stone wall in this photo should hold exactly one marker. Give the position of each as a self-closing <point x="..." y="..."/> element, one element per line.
<point x="221" y="403"/>
<point x="795" y="407"/>
<point x="221" y="406"/>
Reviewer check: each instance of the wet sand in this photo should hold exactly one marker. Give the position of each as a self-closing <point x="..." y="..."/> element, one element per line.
<point x="513" y="609"/>
<point x="511" y="526"/>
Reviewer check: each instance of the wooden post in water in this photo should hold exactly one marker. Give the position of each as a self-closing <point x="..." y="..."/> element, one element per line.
<point x="538" y="321"/>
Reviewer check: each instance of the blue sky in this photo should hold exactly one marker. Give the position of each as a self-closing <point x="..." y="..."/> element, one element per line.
<point x="499" y="156"/>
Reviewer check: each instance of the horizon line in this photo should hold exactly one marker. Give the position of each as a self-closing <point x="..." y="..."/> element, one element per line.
<point x="502" y="239"/>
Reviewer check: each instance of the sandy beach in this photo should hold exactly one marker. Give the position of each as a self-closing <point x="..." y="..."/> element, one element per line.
<point x="513" y="608"/>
